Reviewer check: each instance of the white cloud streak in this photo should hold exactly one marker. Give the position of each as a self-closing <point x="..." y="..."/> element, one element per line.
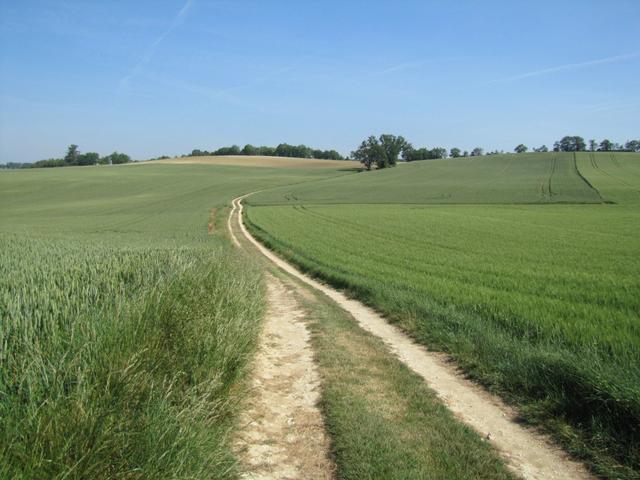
<point x="151" y="51"/>
<point x="568" y="66"/>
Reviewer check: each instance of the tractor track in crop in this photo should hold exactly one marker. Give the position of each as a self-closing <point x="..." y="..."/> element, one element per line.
<point x="528" y="453"/>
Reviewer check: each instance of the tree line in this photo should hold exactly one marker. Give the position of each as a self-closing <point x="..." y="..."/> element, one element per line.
<point x="75" y="158"/>
<point x="282" y="150"/>
<point x="385" y="151"/>
<point x="578" y="144"/>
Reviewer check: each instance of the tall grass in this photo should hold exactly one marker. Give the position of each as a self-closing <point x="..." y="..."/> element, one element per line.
<point x="125" y="324"/>
<point x="121" y="362"/>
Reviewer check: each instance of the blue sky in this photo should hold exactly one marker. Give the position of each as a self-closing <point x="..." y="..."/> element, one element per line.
<point x="166" y="76"/>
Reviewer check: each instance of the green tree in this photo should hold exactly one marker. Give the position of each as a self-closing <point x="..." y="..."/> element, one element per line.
<point x="455" y="152"/>
<point x="382" y="152"/>
<point x="570" y="144"/>
<point x="521" y="148"/>
<point x="332" y="155"/>
<point x="438" y="152"/>
<point x="89" y="158"/>
<point x="477" y="152"/>
<point x="392" y="145"/>
<point x="369" y="152"/>
<point x="606" y="145"/>
<point x="593" y="145"/>
<point x="541" y="149"/>
<point x="249" y="149"/>
<point x="267" y="151"/>
<point x="116" y="159"/>
<point x="232" y="150"/>
<point x="632" y="146"/>
<point x="71" y="158"/>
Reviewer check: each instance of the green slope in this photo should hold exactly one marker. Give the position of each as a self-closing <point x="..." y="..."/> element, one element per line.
<point x="615" y="175"/>
<point x="525" y="178"/>
<point x="539" y="301"/>
<point x="147" y="202"/>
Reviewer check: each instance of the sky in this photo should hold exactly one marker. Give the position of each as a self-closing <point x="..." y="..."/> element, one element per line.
<point x="163" y="77"/>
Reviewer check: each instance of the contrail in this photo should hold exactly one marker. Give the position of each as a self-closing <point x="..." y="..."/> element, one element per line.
<point x="569" y="66"/>
<point x="148" y="56"/>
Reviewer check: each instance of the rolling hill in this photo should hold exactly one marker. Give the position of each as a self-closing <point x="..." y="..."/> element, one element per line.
<point x="524" y="178"/>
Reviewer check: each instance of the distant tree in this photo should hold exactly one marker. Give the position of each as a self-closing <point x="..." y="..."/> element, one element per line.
<point x="465" y="154"/>
<point x="89" y="158"/>
<point x="570" y="144"/>
<point x="632" y="146"/>
<point x="410" y="154"/>
<point x="249" y="149"/>
<point x="370" y="152"/>
<point x="50" y="163"/>
<point x="605" y="145"/>
<point x="593" y="145"/>
<point x="15" y="165"/>
<point x="71" y="158"/>
<point x="455" y="152"/>
<point x="541" y="149"/>
<point x="332" y="155"/>
<point x="477" y="152"/>
<point x="393" y="146"/>
<point x="232" y="150"/>
<point x="284" y="150"/>
<point x="438" y="152"/>
<point x="267" y="151"/>
<point x="116" y="159"/>
<point x="521" y="148"/>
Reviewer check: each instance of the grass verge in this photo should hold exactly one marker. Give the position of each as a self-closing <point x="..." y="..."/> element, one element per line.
<point x="122" y="362"/>
<point x="383" y="420"/>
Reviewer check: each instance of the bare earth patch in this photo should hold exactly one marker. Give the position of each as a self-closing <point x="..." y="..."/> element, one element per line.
<point x="260" y="161"/>
<point x="282" y="435"/>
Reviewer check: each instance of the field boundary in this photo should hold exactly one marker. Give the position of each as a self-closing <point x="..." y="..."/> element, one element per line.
<point x="527" y="452"/>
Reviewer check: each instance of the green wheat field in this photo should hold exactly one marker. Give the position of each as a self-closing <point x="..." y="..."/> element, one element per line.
<point x="129" y="320"/>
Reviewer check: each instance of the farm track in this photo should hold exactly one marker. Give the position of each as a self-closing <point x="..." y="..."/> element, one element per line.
<point x="283" y="434"/>
<point x="528" y="453"/>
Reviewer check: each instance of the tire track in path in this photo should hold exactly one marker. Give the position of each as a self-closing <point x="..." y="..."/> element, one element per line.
<point x="283" y="434"/>
<point x="528" y="453"/>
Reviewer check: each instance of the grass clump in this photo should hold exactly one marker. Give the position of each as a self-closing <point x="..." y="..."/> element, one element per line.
<point x="121" y="362"/>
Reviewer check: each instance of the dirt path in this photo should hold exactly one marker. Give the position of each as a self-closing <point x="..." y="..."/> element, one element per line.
<point x="528" y="454"/>
<point x="283" y="435"/>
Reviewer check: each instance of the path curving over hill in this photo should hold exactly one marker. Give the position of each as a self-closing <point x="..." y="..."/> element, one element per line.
<point x="528" y="453"/>
<point x="283" y="434"/>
